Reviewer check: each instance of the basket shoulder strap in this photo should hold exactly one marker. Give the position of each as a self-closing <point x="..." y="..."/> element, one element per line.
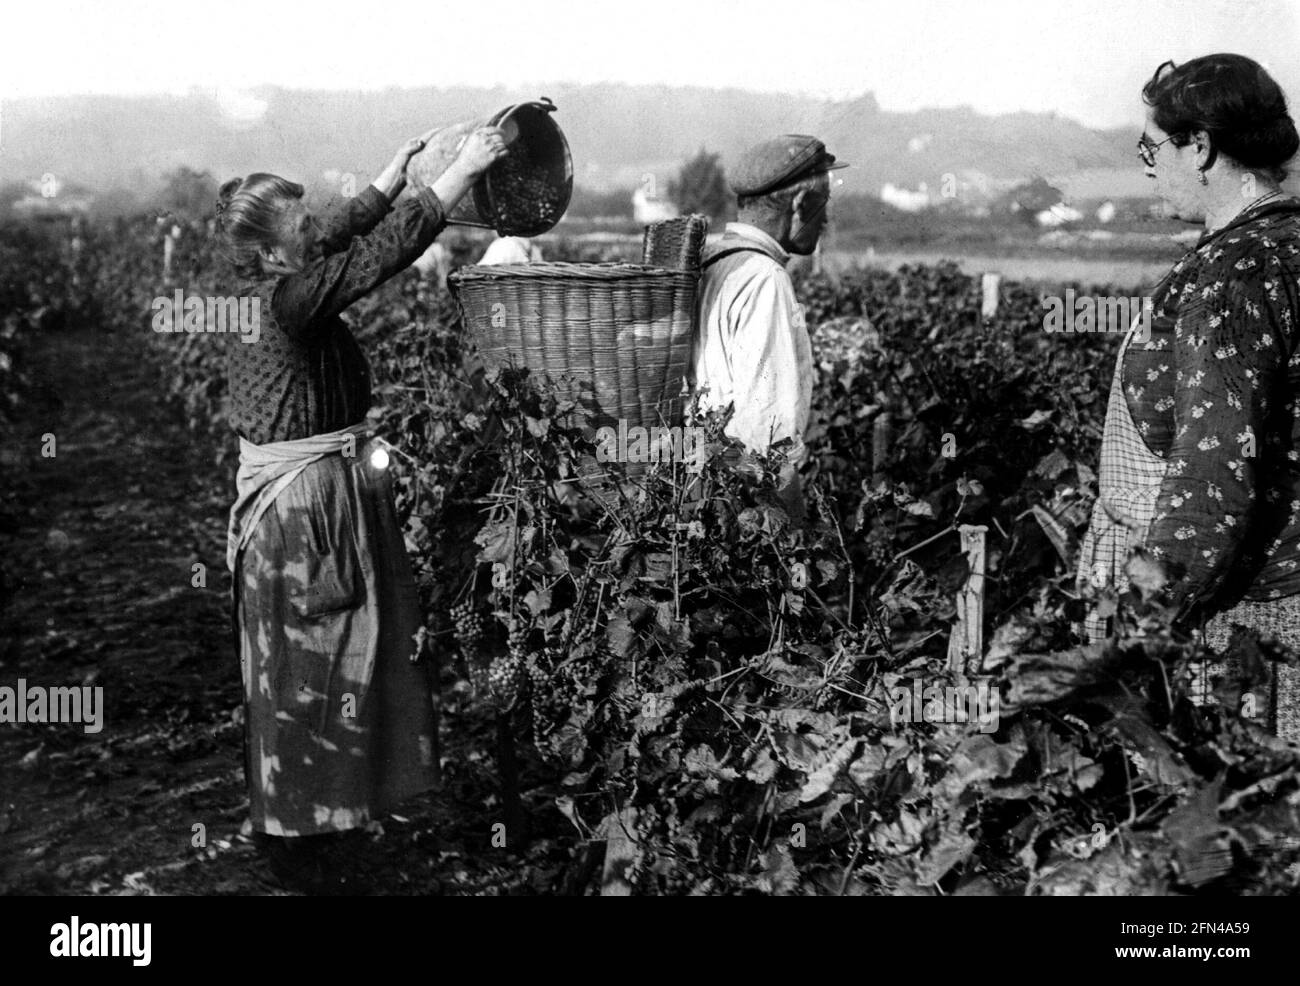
<point x="727" y="253"/>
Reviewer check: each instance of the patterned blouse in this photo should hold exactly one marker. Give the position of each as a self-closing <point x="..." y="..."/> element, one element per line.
<point x="1214" y="393"/>
<point x="306" y="374"/>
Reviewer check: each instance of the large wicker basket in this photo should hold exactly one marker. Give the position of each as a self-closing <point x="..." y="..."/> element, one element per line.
<point x="676" y="243"/>
<point x="615" y="338"/>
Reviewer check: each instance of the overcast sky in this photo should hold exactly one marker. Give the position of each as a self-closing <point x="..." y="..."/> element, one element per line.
<point x="1085" y="59"/>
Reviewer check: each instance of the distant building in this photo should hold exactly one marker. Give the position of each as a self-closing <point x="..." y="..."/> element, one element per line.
<point x="36" y="205"/>
<point x="1106" y="212"/>
<point x="1032" y="198"/>
<point x="51" y="197"/>
<point x="905" y="198"/>
<point x="1058" y="215"/>
<point x="974" y="189"/>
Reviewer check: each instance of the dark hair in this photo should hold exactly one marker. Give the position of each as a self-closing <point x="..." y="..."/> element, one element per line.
<point x="249" y="213"/>
<point x="1234" y="100"/>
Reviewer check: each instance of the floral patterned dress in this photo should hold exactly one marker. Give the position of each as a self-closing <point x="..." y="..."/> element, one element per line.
<point x="1214" y="395"/>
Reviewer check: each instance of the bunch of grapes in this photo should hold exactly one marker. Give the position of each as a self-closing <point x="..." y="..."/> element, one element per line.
<point x="506" y="679"/>
<point x="552" y="694"/>
<point x="518" y="642"/>
<point x="539" y="671"/>
<point x="467" y="624"/>
<point x="583" y="631"/>
<point x="676" y="882"/>
<point x="507" y="675"/>
<point x="673" y="824"/>
<point x="646" y="821"/>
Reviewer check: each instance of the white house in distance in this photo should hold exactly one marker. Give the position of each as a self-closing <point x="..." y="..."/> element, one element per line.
<point x="37" y="205"/>
<point x="1058" y="215"/>
<point x="905" y="198"/>
<point x="646" y="210"/>
<point x="49" y="196"/>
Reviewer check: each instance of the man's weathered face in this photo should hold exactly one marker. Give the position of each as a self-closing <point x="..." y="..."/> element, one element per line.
<point x="811" y="216"/>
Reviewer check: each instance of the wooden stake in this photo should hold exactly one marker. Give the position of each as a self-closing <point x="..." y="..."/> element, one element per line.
<point x="966" y="645"/>
<point x="619" y="829"/>
<point x="882" y="437"/>
<point x="990" y="283"/>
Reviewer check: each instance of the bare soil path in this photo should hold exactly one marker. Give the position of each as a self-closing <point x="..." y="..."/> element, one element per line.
<point x="97" y="548"/>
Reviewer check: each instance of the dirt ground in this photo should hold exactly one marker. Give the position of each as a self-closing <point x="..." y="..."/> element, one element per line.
<point x="97" y="548"/>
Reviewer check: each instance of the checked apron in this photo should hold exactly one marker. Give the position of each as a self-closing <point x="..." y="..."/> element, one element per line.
<point x="1128" y="485"/>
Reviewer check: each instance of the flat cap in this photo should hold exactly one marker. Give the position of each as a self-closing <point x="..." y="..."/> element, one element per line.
<point x="779" y="162"/>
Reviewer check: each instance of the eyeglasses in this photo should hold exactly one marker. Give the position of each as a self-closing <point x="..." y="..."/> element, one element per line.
<point x="1147" y="150"/>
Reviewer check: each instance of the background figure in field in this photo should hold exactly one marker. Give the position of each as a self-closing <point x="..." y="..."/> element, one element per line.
<point x="1198" y="457"/>
<point x="512" y="250"/>
<point x="171" y="237"/>
<point x="434" y="264"/>
<point x="751" y="348"/>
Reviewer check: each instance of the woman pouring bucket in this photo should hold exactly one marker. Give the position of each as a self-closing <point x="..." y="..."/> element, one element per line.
<point x="340" y="723"/>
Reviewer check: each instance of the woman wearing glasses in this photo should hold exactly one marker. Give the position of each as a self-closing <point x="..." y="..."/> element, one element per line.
<point x="1200" y="459"/>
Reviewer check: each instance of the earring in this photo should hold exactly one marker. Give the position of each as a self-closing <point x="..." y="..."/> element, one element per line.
<point x="1204" y="180"/>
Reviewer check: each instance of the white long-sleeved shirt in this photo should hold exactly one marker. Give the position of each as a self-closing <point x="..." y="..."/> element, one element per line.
<point x="751" y="344"/>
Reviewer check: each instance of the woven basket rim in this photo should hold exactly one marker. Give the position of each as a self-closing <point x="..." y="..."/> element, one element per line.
<point x="561" y="271"/>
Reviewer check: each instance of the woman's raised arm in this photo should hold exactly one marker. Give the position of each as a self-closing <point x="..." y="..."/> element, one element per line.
<point x="303" y="300"/>
<point x="357" y="217"/>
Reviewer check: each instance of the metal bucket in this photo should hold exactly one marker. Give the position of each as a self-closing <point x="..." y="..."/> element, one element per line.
<point x="523" y="194"/>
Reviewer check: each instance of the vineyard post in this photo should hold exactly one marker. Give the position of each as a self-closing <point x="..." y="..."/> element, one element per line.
<point x="621" y="851"/>
<point x="991" y="284"/>
<point x="966" y="645"/>
<point x="882" y="434"/>
<point x="169" y="249"/>
<point x="507" y="759"/>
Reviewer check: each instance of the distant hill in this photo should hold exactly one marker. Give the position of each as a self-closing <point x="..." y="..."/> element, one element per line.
<point x="618" y="135"/>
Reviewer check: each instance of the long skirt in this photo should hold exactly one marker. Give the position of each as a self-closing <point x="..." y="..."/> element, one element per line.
<point x="1279" y="708"/>
<point x="340" y="722"/>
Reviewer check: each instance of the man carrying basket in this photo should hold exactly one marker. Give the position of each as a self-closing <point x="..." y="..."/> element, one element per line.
<point x="751" y="345"/>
